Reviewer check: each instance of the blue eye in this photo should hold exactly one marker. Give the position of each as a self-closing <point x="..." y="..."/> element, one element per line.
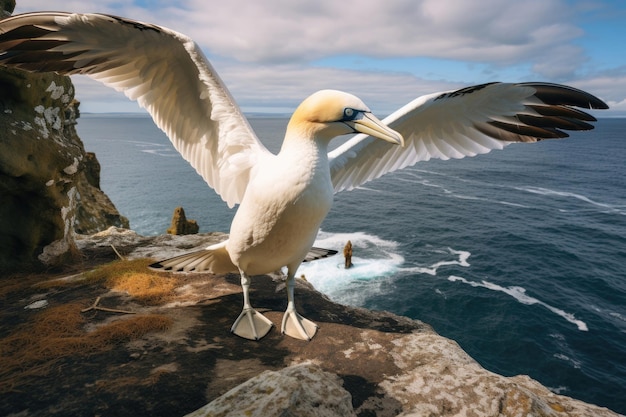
<point x="349" y="114"/>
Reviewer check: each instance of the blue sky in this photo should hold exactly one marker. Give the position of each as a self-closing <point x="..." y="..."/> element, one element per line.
<point x="273" y="53"/>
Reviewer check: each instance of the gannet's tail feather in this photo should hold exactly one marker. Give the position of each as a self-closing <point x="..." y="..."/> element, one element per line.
<point x="214" y="259"/>
<point x="319" y="253"/>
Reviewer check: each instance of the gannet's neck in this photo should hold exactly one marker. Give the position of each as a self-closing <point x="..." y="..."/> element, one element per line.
<point x="305" y="134"/>
<point x="305" y="145"/>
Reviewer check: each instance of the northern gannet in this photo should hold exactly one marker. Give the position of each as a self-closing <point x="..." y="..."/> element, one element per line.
<point x="282" y="198"/>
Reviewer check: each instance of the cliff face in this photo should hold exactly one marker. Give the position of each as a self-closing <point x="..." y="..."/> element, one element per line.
<point x="45" y="189"/>
<point x="161" y="346"/>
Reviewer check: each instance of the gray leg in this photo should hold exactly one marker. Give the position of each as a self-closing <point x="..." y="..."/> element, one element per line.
<point x="250" y="324"/>
<point x="294" y="324"/>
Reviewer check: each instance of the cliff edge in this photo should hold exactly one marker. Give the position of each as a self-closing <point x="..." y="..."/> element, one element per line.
<point x="122" y="340"/>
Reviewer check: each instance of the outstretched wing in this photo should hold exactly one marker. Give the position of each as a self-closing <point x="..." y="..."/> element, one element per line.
<point x="462" y="123"/>
<point x="163" y="70"/>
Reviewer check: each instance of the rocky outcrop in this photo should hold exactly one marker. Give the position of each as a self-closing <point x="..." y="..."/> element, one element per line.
<point x="181" y="225"/>
<point x="297" y="391"/>
<point x="95" y="211"/>
<point x="45" y="191"/>
<point x="390" y="365"/>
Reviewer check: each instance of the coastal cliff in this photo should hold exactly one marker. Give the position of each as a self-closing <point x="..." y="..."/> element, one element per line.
<point x="119" y="339"/>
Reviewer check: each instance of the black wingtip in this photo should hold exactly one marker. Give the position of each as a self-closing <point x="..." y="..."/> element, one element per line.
<point x="557" y="94"/>
<point x="158" y="266"/>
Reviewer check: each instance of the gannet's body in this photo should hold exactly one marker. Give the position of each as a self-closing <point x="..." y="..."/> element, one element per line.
<point x="280" y="215"/>
<point x="282" y="198"/>
<point x="281" y="212"/>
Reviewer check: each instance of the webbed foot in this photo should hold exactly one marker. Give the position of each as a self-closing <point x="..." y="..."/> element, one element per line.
<point x="298" y="327"/>
<point x="251" y="325"/>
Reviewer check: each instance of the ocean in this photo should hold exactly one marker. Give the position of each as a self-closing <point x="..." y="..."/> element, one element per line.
<point x="518" y="255"/>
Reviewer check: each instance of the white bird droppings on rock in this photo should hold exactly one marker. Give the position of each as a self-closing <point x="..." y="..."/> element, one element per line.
<point x="37" y="305"/>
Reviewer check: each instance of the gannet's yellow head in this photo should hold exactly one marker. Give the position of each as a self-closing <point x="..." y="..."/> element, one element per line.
<point x="330" y="113"/>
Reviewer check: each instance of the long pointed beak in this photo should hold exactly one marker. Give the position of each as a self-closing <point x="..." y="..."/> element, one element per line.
<point x="371" y="125"/>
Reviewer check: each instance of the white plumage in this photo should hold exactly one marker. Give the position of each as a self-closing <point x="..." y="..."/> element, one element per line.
<point x="282" y="198"/>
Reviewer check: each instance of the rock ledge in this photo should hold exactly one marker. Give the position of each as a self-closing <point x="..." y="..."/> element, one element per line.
<point x="389" y="365"/>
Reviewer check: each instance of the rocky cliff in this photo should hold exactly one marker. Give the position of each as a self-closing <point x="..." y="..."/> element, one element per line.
<point x="49" y="185"/>
<point x="126" y="341"/>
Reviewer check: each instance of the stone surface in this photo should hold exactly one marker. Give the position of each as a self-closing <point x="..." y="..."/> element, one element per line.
<point x="45" y="192"/>
<point x="390" y="365"/>
<point x="181" y="225"/>
<point x="95" y="211"/>
<point x="297" y="391"/>
<point x="132" y="245"/>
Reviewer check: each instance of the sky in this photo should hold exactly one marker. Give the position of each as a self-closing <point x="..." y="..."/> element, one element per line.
<point x="273" y="53"/>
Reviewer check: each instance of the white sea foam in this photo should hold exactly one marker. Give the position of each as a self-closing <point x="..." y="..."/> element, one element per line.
<point x="461" y="260"/>
<point x="560" y="390"/>
<point x="159" y="149"/>
<point x="566" y="194"/>
<point x="469" y="197"/>
<point x="507" y="203"/>
<point x="519" y="293"/>
<point x="618" y="316"/>
<point x="160" y="152"/>
<point x="374" y="190"/>
<point x="576" y="364"/>
<point x="373" y="258"/>
<point x="418" y="179"/>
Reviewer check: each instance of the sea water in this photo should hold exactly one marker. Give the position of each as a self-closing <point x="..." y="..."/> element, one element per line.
<point x="518" y="255"/>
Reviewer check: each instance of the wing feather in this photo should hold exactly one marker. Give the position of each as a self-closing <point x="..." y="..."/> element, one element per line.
<point x="164" y="71"/>
<point x="466" y="122"/>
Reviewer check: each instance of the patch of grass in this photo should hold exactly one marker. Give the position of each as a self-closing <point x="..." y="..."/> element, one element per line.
<point x="33" y="349"/>
<point x="149" y="288"/>
<point x="116" y="268"/>
<point x="17" y="283"/>
<point x="132" y="277"/>
<point x="135" y="279"/>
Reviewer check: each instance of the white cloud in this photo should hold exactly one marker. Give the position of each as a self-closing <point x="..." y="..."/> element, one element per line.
<point x="497" y="31"/>
<point x="610" y="87"/>
<point x="384" y="92"/>
<point x="281" y="88"/>
<point x="265" y="50"/>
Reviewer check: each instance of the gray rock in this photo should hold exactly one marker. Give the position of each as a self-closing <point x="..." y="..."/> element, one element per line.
<point x="95" y="211"/>
<point x="390" y="365"/>
<point x="181" y="225"/>
<point x="131" y="245"/>
<point x="297" y="391"/>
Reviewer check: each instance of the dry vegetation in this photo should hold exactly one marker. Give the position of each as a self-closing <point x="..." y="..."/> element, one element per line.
<point x="37" y="344"/>
<point x="135" y="279"/>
